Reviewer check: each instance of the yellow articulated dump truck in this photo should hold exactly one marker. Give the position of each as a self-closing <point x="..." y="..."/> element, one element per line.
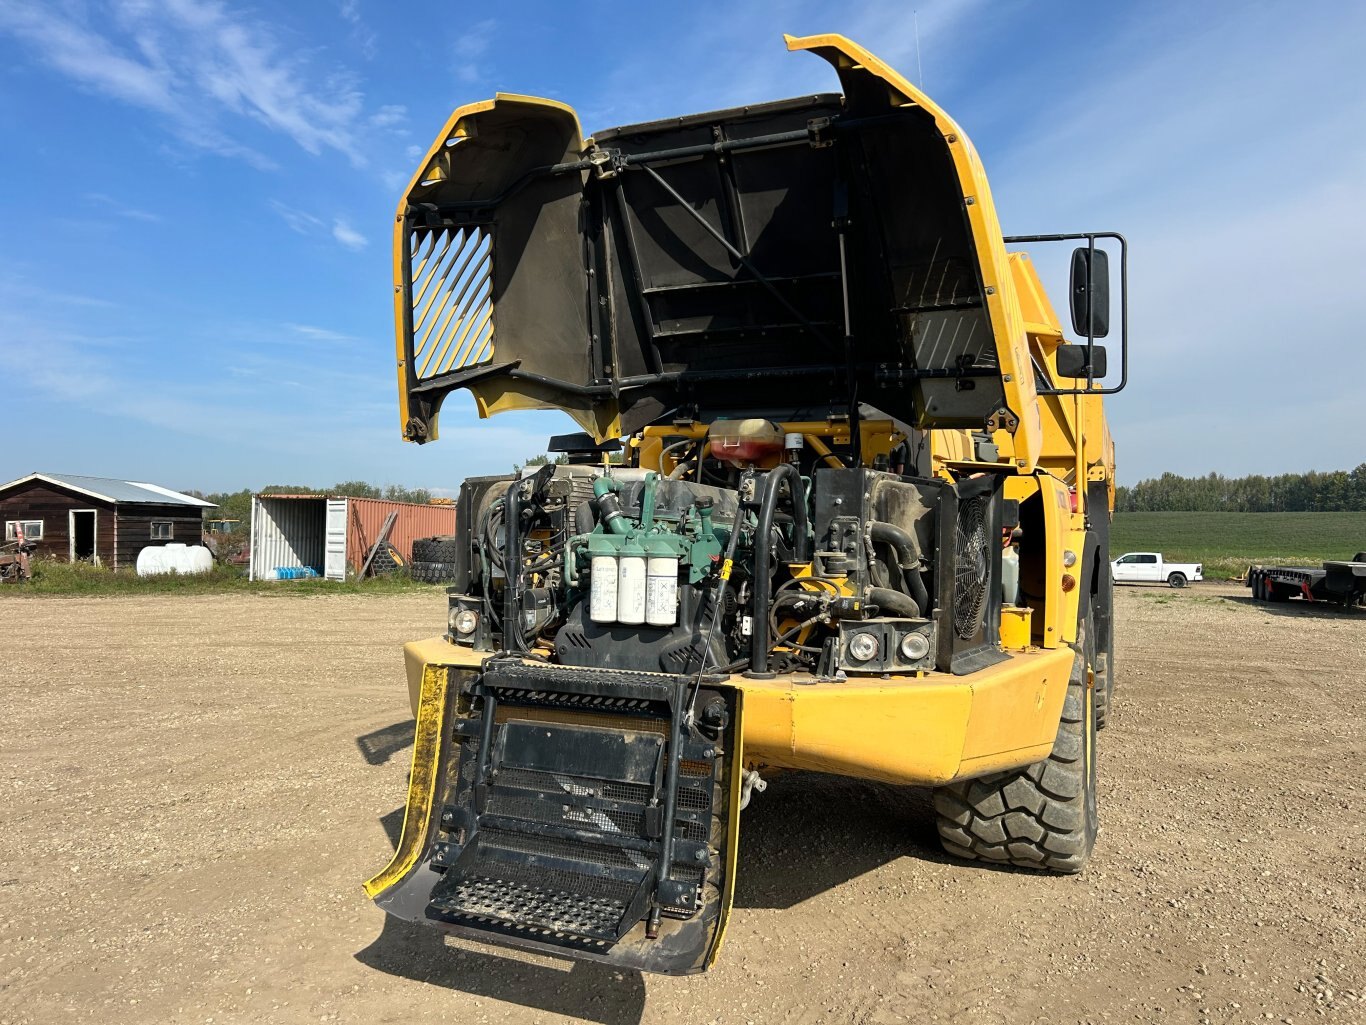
<point x="839" y="503"/>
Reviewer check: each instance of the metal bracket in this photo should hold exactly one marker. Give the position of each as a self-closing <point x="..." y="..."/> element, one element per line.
<point x="815" y="132"/>
<point x="606" y="163"/>
<point x="1002" y="420"/>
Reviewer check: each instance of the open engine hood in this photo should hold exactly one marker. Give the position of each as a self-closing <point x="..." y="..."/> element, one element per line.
<point x="778" y="259"/>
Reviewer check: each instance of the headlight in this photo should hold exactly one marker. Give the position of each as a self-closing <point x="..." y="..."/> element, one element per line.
<point x="463" y="621"/>
<point x="914" y="647"/>
<point x="863" y="647"/>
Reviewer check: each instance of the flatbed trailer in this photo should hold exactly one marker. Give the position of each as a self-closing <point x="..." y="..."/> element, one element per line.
<point x="1342" y="582"/>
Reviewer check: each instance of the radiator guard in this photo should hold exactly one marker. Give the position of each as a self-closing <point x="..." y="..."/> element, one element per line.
<point x="537" y="810"/>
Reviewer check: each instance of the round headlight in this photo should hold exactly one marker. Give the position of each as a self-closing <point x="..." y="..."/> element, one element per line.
<point x="863" y="647"/>
<point x="463" y="621"/>
<point x="914" y="647"/>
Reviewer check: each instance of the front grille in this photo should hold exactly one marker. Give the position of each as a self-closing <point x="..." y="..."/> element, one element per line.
<point x="558" y="835"/>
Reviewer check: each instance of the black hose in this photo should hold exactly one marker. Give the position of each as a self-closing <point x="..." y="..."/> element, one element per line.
<point x="890" y="533"/>
<point x="513" y="640"/>
<point x="584" y="519"/>
<point x="894" y="601"/>
<point x="801" y="537"/>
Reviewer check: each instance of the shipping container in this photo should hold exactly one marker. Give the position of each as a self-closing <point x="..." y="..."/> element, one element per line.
<point x="332" y="534"/>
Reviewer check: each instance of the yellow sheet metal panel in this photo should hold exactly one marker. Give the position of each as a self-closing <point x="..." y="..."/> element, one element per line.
<point x="422" y="780"/>
<point x="852" y="61"/>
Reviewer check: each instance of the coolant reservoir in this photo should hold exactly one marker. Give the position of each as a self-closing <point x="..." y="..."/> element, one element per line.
<point x="746" y="442"/>
<point x="661" y="590"/>
<point x="602" y="589"/>
<point x="631" y="585"/>
<point x="1010" y="576"/>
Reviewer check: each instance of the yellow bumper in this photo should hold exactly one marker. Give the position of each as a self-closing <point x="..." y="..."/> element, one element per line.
<point x="924" y="730"/>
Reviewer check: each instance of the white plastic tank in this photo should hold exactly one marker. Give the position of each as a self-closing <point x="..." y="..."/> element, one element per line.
<point x="173" y="558"/>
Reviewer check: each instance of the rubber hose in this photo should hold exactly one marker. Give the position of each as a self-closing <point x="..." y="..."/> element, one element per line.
<point x="801" y="531"/>
<point x="584" y="518"/>
<point x="894" y="601"/>
<point x="890" y="533"/>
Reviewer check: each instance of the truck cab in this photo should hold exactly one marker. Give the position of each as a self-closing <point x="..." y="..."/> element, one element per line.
<point x="1152" y="568"/>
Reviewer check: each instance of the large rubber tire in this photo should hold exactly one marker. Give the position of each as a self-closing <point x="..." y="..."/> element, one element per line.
<point x="432" y="572"/>
<point x="1177" y="580"/>
<point x="387" y="560"/>
<point x="1105" y="657"/>
<point x="443" y="548"/>
<point x="1042" y="816"/>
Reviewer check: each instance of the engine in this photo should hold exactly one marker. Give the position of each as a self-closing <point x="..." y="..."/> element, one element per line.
<point x="815" y="569"/>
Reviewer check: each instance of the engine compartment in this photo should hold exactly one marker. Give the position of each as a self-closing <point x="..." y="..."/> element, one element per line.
<point x="796" y="567"/>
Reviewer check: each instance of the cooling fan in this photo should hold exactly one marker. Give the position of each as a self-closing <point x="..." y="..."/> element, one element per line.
<point x="972" y="573"/>
<point x="968" y="575"/>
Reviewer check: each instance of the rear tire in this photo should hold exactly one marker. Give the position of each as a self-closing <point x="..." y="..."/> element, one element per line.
<point x="1105" y="655"/>
<point x="1044" y="815"/>
<point x="1177" y="580"/>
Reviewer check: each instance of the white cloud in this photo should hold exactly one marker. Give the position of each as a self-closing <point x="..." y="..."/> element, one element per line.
<point x="120" y="209"/>
<point x="197" y="63"/>
<point x="472" y="44"/>
<point x="348" y="236"/>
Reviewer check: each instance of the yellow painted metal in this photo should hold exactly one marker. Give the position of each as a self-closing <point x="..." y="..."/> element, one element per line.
<point x="435" y="167"/>
<point x="737" y="777"/>
<point x="920" y="730"/>
<point x="1015" y="626"/>
<point x="422" y="779"/>
<point x="1003" y="307"/>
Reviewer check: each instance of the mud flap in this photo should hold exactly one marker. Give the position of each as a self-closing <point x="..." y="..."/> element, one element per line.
<point x="588" y="813"/>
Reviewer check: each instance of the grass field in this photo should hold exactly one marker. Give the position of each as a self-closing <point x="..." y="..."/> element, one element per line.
<point x="50" y="577"/>
<point x="1228" y="542"/>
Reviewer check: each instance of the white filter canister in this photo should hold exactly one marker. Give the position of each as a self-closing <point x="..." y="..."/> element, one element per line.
<point x="631" y="589"/>
<point x="602" y="589"/>
<point x="661" y="590"/>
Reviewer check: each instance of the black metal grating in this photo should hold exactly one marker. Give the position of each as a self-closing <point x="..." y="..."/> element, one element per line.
<point x="518" y="903"/>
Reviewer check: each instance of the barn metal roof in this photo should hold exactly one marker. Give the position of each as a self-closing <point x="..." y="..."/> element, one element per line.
<point x="111" y="489"/>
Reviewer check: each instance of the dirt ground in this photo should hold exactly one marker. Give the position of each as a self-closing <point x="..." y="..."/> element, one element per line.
<point x="194" y="789"/>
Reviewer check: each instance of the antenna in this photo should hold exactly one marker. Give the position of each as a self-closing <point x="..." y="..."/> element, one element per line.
<point x="919" y="70"/>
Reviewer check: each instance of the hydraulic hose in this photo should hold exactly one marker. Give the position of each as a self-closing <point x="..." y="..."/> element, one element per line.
<point x="801" y="537"/>
<point x="891" y="534"/>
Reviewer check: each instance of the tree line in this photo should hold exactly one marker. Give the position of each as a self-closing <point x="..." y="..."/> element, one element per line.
<point x="1332" y="491"/>
<point x="236" y="505"/>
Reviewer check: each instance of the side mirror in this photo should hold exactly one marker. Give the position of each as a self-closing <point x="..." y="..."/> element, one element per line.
<point x="1072" y="360"/>
<point x="1090" y="292"/>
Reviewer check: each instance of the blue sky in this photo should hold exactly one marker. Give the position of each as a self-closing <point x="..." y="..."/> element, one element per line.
<point x="195" y="200"/>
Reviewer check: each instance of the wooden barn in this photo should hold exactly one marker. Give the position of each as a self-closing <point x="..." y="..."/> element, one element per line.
<point x="98" y="519"/>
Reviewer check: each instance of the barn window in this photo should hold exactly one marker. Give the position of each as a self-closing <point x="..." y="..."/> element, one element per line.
<point x="162" y="530"/>
<point x="33" y="530"/>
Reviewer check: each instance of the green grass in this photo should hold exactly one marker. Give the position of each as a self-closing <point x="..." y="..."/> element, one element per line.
<point x="81" y="578"/>
<point x="1227" y="543"/>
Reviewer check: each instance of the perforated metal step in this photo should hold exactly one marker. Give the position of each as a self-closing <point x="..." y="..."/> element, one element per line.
<point x="521" y="905"/>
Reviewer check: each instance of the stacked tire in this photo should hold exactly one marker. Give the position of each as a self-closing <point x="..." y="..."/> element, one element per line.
<point x="434" y="559"/>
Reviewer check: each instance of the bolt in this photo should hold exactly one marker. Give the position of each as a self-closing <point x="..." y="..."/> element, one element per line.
<point x="701" y="855"/>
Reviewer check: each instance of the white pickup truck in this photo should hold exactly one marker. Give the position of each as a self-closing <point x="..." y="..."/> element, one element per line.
<point x="1151" y="568"/>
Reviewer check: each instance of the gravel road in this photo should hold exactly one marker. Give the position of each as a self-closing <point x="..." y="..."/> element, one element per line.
<point x="194" y="789"/>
